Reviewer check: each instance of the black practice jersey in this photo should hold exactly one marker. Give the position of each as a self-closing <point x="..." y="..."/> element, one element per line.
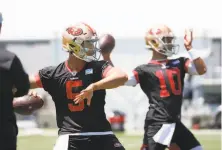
<point x="12" y="74"/>
<point x="63" y="85"/>
<point x="162" y="82"/>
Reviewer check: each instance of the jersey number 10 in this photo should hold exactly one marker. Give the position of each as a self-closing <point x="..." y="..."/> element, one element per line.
<point x="170" y="76"/>
<point x="71" y="96"/>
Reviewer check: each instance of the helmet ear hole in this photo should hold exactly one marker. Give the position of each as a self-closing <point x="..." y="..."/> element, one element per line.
<point x="153" y="42"/>
<point x="71" y="45"/>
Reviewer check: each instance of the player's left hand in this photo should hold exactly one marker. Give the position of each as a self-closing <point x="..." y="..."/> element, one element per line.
<point x="85" y="94"/>
<point x="188" y="39"/>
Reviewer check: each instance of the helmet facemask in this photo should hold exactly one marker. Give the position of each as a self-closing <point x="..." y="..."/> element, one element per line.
<point x="168" y="47"/>
<point x="91" y="49"/>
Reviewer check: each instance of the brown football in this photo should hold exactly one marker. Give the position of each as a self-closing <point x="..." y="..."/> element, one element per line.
<point x="106" y="43"/>
<point x="26" y="105"/>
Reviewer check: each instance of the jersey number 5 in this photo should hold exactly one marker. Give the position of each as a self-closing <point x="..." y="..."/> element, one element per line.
<point x="71" y="95"/>
<point x="170" y="75"/>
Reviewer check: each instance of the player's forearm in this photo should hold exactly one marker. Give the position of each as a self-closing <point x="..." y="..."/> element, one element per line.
<point x="198" y="62"/>
<point x="113" y="81"/>
<point x="32" y="81"/>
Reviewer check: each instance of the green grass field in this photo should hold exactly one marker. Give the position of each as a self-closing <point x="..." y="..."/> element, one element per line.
<point x="210" y="141"/>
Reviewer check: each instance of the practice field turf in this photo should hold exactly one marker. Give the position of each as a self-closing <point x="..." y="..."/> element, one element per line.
<point x="209" y="140"/>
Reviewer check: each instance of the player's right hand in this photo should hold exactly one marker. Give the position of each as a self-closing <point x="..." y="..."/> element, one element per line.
<point x="188" y="39"/>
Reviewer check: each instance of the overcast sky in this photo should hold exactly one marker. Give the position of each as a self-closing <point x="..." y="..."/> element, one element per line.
<point x="42" y="18"/>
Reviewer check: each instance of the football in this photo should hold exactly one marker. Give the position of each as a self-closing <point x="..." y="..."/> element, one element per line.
<point x="26" y="105"/>
<point x="106" y="43"/>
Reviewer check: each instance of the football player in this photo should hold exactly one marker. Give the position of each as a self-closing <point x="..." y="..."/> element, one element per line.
<point x="12" y="75"/>
<point x="162" y="80"/>
<point x="81" y="127"/>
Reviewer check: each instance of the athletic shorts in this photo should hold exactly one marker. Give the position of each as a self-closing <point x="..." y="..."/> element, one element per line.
<point x="95" y="142"/>
<point x="181" y="137"/>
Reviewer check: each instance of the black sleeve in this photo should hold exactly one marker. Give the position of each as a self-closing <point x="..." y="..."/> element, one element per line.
<point x="185" y="63"/>
<point x="46" y="76"/>
<point x="138" y="72"/>
<point x="20" y="78"/>
<point x="103" y="67"/>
